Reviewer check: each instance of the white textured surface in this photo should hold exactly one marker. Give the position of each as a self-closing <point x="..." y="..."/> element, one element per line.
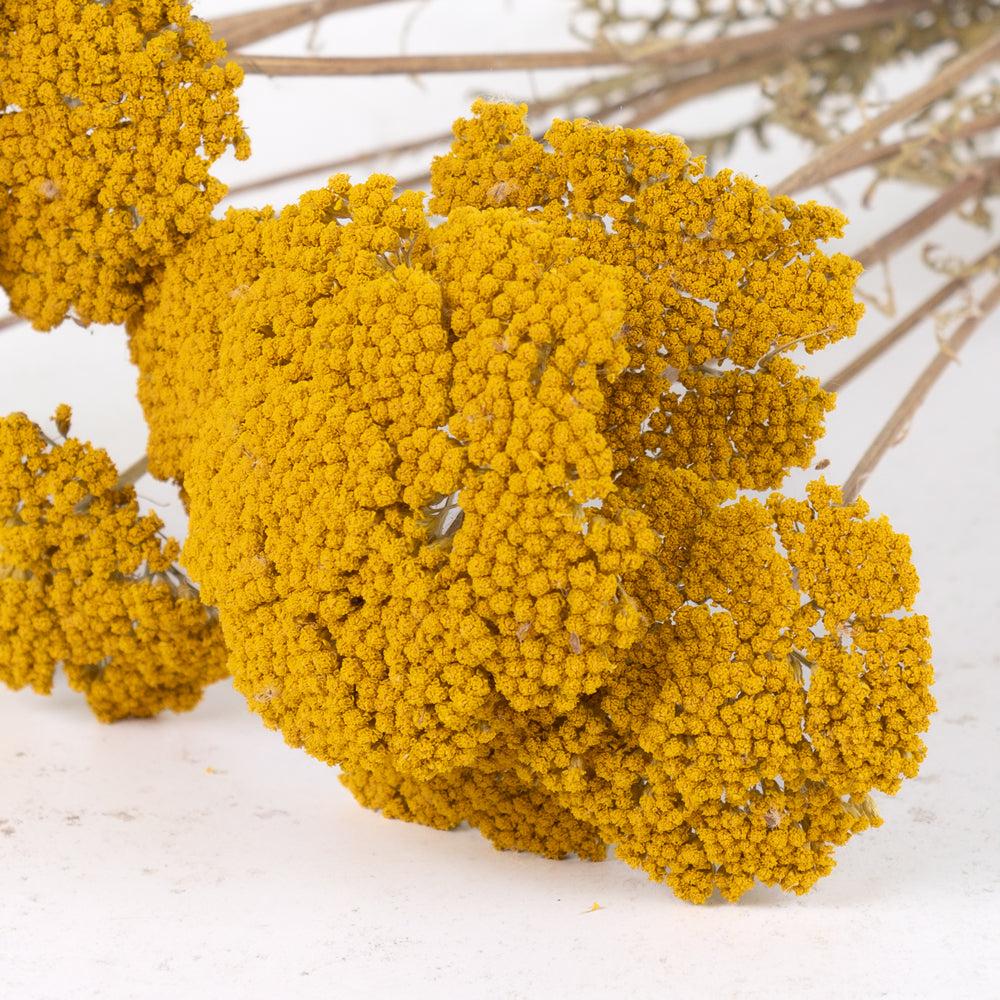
<point x="197" y="856"/>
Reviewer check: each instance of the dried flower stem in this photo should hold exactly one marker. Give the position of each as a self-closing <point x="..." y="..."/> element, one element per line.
<point x="646" y="105"/>
<point x="867" y="157"/>
<point x="783" y="37"/>
<point x="238" y="30"/>
<point x="398" y="149"/>
<point x="135" y="472"/>
<point x="917" y="224"/>
<point x="895" y="426"/>
<point x="910" y="104"/>
<point x="909" y="322"/>
<point x="666" y="97"/>
<point x="8" y="321"/>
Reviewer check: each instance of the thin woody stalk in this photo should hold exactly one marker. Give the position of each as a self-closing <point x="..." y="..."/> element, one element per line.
<point x="238" y="30"/>
<point x="866" y="157"/>
<point x="895" y="427"/>
<point x="135" y="472"/>
<point x="398" y="149"/>
<point x="783" y="37"/>
<point x="671" y="96"/>
<point x="910" y="321"/>
<point x="910" y="104"/>
<point x="826" y="171"/>
<point x="918" y="223"/>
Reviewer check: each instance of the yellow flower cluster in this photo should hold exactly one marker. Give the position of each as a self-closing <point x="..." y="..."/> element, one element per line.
<point x="718" y="279"/>
<point x="468" y="499"/>
<point x="88" y="583"/>
<point x="111" y="113"/>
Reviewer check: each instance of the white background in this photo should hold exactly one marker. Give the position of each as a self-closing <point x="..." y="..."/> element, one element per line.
<point x="197" y="856"/>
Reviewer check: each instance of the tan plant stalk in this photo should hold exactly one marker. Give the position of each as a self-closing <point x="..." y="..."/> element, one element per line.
<point x="895" y="427"/>
<point x="397" y="149"/>
<point x="872" y="155"/>
<point x="238" y="30"/>
<point x="909" y="104"/>
<point x="910" y="321"/>
<point x="668" y="96"/>
<point x="783" y="37"/>
<point x="915" y="225"/>
<point x="135" y="472"/>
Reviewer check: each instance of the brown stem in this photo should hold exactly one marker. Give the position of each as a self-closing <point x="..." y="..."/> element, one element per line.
<point x="916" y="100"/>
<point x="345" y="161"/>
<point x="783" y="37"/>
<point x="415" y="182"/>
<point x="861" y="158"/>
<point x="867" y="157"/>
<point x="914" y="226"/>
<point x="398" y="149"/>
<point x="239" y="30"/>
<point x="8" y="321"/>
<point x="896" y="425"/>
<point x="909" y="322"/>
<point x="667" y="97"/>
<point x="645" y="110"/>
<point x="133" y="473"/>
<point x="408" y="65"/>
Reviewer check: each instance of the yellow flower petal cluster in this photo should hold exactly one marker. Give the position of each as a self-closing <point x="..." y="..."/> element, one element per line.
<point x="470" y="498"/>
<point x="88" y="583"/>
<point x="719" y="277"/>
<point x="111" y="114"/>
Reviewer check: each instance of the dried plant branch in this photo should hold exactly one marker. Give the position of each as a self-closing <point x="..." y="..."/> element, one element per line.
<point x="873" y="155"/>
<point x="238" y="30"/>
<point x="916" y="100"/>
<point x="918" y="223"/>
<point x="135" y="472"/>
<point x="895" y="427"/>
<point x="859" y="159"/>
<point x="646" y="104"/>
<point x="787" y="35"/>
<point x="665" y="97"/>
<point x="412" y="64"/>
<point x="909" y="322"/>
<point x="535" y="108"/>
<point x="398" y="149"/>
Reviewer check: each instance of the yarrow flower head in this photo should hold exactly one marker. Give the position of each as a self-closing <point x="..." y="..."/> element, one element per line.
<point x="472" y="501"/>
<point x="111" y="114"/>
<point x="89" y="583"/>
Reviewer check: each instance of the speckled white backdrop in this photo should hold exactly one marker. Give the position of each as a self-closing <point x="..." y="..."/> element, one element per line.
<point x="197" y="856"/>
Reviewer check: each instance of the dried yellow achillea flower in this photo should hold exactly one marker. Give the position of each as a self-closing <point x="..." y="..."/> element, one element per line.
<point x="467" y="497"/>
<point x="88" y="583"/>
<point x="111" y="114"/>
